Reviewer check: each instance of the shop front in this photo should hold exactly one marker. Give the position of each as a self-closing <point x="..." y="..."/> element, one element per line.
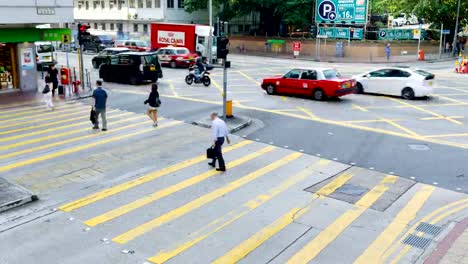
<point x="19" y="56"/>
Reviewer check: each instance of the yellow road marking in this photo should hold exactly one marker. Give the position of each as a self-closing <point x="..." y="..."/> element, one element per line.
<point x="422" y="105"/>
<point x="47" y="124"/>
<point x="249" y="78"/>
<point x="412" y="133"/>
<point x="25" y="111"/>
<point x="170" y="190"/>
<point x="58" y="135"/>
<point x="450" y="99"/>
<point x="438" y="118"/>
<point x="355" y="106"/>
<point x="26" y="103"/>
<point x="20" y="111"/>
<point x="426" y="111"/>
<point x="308" y="113"/>
<point x="373" y="252"/>
<point x="82" y="147"/>
<point x="217" y="86"/>
<point x="371" y="121"/>
<point x="324" y="238"/>
<point x="426" y="218"/>
<point x="141" y="180"/>
<point x="197" y="203"/>
<point x="229" y="218"/>
<point x="54" y="116"/>
<point x="55" y="129"/>
<point x="44" y="113"/>
<point x="448" y="135"/>
<point x="171" y="86"/>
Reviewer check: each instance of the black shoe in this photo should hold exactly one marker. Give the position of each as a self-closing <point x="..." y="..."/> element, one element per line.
<point x="104" y="129"/>
<point x="221" y="169"/>
<point x="211" y="164"/>
<point x="95" y="127"/>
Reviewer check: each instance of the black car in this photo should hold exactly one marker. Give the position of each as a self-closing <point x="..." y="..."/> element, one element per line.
<point x="97" y="42"/>
<point x="105" y="55"/>
<point x="131" y="67"/>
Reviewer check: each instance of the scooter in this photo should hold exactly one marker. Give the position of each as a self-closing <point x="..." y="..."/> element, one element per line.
<point x="205" y="78"/>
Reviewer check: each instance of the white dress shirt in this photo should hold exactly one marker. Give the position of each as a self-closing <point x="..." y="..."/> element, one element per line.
<point x="218" y="129"/>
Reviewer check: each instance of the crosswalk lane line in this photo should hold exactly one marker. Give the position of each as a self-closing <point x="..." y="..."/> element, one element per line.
<point x="110" y="115"/>
<point x="199" y="202"/>
<point x="62" y="115"/>
<point x="373" y="253"/>
<point x="170" y="190"/>
<point x="331" y="232"/>
<point x="82" y="147"/>
<point x="246" y="247"/>
<point x="41" y="114"/>
<point x="73" y="139"/>
<point x="229" y="218"/>
<point x="48" y="124"/>
<point x="67" y="133"/>
<point x="32" y="110"/>
<point x="141" y="180"/>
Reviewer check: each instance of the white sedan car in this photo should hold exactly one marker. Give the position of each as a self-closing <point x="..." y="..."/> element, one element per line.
<point x="399" y="81"/>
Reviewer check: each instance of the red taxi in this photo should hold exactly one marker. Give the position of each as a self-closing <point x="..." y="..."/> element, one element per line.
<point x="318" y="83"/>
<point x="176" y="57"/>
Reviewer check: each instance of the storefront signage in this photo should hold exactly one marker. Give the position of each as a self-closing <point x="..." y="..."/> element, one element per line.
<point x="341" y="11"/>
<point x="175" y="38"/>
<point x="341" y="33"/>
<point x="27" y="59"/>
<point x="46" y="11"/>
<point x="18" y="35"/>
<point x="400" y="34"/>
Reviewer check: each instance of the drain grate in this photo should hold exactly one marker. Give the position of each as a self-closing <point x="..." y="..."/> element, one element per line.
<point x="417" y="241"/>
<point x="429" y="229"/>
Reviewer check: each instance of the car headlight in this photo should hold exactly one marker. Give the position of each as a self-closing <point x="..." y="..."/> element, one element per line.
<point x="179" y="58"/>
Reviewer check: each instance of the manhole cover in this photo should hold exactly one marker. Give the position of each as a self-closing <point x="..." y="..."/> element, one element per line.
<point x="350" y="189"/>
<point x="419" y="147"/>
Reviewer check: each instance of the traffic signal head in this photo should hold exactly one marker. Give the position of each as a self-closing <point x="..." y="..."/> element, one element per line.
<point x="82" y="31"/>
<point x="222" y="48"/>
<point x="351" y="33"/>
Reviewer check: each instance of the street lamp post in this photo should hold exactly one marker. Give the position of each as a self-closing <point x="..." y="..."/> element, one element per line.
<point x="210" y="36"/>
<point x="456" y="30"/>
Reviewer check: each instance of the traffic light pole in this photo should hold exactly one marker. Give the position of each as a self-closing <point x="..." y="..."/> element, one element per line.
<point x="80" y="63"/>
<point x="224" y="88"/>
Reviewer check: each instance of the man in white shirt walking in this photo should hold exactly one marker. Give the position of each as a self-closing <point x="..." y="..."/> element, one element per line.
<point x="219" y="131"/>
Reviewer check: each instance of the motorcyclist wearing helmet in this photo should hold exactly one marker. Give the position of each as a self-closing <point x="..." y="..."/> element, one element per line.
<point x="200" y="68"/>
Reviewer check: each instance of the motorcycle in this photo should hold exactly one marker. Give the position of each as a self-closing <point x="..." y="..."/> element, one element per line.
<point x="204" y="78"/>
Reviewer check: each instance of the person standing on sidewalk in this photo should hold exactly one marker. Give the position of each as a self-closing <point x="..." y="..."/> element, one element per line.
<point x="100" y="100"/>
<point x="219" y="132"/>
<point x="388" y="51"/>
<point x="153" y="102"/>
<point x="53" y="78"/>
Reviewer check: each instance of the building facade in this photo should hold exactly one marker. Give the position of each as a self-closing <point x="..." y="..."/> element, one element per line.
<point x="19" y="33"/>
<point x="133" y="17"/>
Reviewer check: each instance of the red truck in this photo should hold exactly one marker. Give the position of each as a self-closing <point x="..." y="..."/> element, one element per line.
<point x="193" y="37"/>
<point x="318" y="83"/>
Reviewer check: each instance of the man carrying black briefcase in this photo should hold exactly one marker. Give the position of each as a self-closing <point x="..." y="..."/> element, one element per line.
<point x="219" y="132"/>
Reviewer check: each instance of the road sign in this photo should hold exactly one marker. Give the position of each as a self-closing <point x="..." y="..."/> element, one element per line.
<point x="446" y="31"/>
<point x="322" y="36"/>
<point x="399" y="34"/>
<point x="341" y="11"/>
<point x="416" y="33"/>
<point x="341" y="33"/>
<point x="66" y="39"/>
<point x="296" y="46"/>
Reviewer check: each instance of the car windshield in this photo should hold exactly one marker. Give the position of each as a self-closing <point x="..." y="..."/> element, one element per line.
<point x="331" y="74"/>
<point x="45" y="48"/>
<point x="141" y="44"/>
<point x="182" y="51"/>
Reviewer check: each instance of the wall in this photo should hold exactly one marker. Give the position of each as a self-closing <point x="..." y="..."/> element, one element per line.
<point x="26" y="12"/>
<point x="27" y="77"/>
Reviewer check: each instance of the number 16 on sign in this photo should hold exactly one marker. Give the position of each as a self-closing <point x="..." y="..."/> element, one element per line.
<point x="296" y="48"/>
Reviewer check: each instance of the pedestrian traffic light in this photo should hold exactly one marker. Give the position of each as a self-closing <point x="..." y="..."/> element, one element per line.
<point x="351" y="33"/>
<point x="222" y="47"/>
<point x="66" y="39"/>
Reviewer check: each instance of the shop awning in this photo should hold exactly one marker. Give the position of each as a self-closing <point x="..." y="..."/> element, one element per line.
<point x="17" y="35"/>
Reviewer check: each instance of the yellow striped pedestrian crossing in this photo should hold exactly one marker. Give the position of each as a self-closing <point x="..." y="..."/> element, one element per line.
<point x="41" y="116"/>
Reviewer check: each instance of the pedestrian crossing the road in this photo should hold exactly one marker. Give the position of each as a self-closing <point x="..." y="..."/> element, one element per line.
<point x="149" y="191"/>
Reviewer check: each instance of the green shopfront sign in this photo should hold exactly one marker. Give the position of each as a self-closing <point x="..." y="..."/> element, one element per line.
<point x="341" y="11"/>
<point x="399" y="34"/>
<point x="18" y="35"/>
<point x="341" y="33"/>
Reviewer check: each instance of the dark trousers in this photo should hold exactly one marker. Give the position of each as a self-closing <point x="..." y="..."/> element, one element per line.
<point x="54" y="86"/>
<point x="219" y="153"/>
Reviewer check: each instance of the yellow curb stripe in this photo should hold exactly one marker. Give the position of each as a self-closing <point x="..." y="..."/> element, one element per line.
<point x="170" y="190"/>
<point x="203" y="200"/>
<point x="82" y="147"/>
<point x="324" y="238"/>
<point x="227" y="219"/>
<point x="141" y="180"/>
<point x="374" y="252"/>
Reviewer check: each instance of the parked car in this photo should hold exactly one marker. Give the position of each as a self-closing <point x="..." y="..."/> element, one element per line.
<point x="133" y="45"/>
<point x="97" y="43"/>
<point x="399" y="81"/>
<point x="105" y="55"/>
<point x="399" y="20"/>
<point x="176" y="57"/>
<point x="131" y="67"/>
<point x="318" y="83"/>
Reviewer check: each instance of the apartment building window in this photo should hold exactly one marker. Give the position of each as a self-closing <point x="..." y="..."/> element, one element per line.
<point x="80" y="4"/>
<point x="145" y="28"/>
<point x="95" y="25"/>
<point x="111" y="26"/>
<point x="135" y="27"/>
<point x="170" y="3"/>
<point x="149" y="3"/>
<point x="87" y="5"/>
<point x="157" y="3"/>
<point x="111" y="4"/>
<point x="131" y="3"/>
<point x="103" y="4"/>
<point x="180" y="3"/>
<point x="120" y="4"/>
<point x="103" y="26"/>
<point x="96" y="4"/>
<point x="140" y="3"/>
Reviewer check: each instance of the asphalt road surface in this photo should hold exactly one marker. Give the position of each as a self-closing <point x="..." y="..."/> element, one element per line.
<point x="425" y="140"/>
